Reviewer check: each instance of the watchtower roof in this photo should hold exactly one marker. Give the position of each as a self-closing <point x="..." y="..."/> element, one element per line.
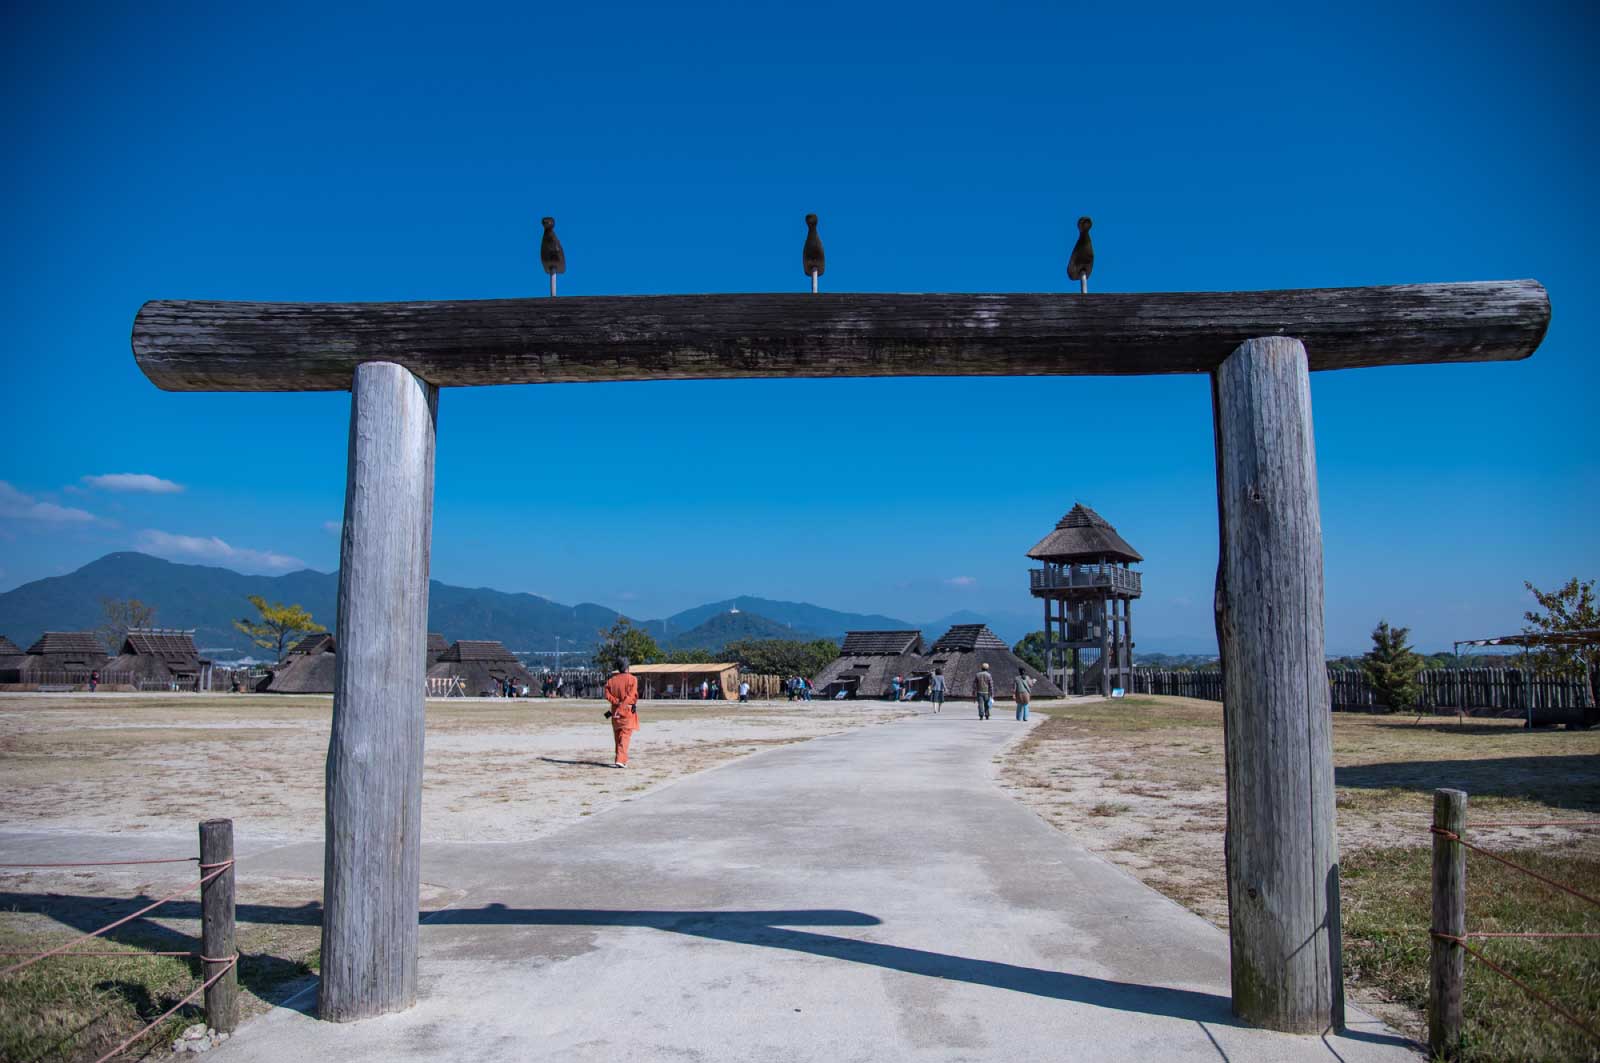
<point x="1083" y="534"/>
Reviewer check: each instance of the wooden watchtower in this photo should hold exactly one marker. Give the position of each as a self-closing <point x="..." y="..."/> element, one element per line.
<point x="1088" y="591"/>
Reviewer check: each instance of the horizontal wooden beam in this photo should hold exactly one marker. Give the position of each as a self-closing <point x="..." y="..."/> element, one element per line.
<point x="232" y="346"/>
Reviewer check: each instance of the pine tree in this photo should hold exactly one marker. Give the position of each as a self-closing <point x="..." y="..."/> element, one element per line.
<point x="1391" y="667"/>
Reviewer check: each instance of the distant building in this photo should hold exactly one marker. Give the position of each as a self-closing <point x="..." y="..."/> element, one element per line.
<point x="308" y="668"/>
<point x="868" y="662"/>
<point x="1088" y="590"/>
<point x="61" y="657"/>
<point x="155" y="658"/>
<point x="683" y="680"/>
<point x="481" y="666"/>
<point x="436" y="647"/>
<point x="961" y="654"/>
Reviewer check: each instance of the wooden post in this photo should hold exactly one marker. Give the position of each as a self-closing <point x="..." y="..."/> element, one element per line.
<point x="1449" y="917"/>
<point x="372" y="863"/>
<point x="216" y="925"/>
<point x="1282" y="852"/>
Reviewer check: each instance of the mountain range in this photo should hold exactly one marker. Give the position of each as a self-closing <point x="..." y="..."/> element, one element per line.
<point x="208" y="599"/>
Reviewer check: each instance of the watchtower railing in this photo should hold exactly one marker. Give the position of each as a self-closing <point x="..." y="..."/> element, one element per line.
<point x="1117" y="580"/>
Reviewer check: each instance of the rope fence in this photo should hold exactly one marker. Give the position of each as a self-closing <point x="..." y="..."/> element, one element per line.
<point x="1450" y="936"/>
<point x="215" y="864"/>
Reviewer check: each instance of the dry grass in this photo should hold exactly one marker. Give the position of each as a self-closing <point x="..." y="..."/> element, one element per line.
<point x="1141" y="780"/>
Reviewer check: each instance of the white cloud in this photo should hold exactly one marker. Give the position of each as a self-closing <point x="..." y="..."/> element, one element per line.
<point x="141" y="482"/>
<point x="211" y="548"/>
<point x="17" y="506"/>
<point x="961" y="581"/>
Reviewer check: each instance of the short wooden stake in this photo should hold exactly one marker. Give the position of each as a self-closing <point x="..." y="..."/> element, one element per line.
<point x="217" y="944"/>
<point x="1448" y="966"/>
<point x="372" y="871"/>
<point x="1282" y="852"/>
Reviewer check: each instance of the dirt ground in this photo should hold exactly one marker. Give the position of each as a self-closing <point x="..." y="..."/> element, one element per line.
<point x="494" y="770"/>
<point x="1141" y="781"/>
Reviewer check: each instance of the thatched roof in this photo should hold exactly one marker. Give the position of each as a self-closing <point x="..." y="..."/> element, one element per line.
<point x="871" y="643"/>
<point x="1083" y="535"/>
<point x="962" y="652"/>
<point x="9" y="648"/>
<point x="321" y="642"/>
<point x="304" y="673"/>
<point x="436" y="646"/>
<point x="481" y="666"/>
<point x="157" y="654"/>
<point x="73" y="643"/>
<point x="968" y="637"/>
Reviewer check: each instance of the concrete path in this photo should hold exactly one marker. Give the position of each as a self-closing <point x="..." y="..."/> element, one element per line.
<point x="869" y="896"/>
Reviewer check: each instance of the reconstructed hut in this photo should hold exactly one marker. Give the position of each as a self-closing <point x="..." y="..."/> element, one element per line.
<point x="308" y="667"/>
<point x="868" y="662"/>
<point x="481" y="667"/>
<point x="62" y="657"/>
<point x="10" y="660"/>
<point x="961" y="653"/>
<point x="683" y="680"/>
<point x="154" y="657"/>
<point x="436" y="647"/>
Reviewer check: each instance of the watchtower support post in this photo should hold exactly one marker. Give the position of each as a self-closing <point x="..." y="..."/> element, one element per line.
<point x="373" y="857"/>
<point x="1282" y="852"/>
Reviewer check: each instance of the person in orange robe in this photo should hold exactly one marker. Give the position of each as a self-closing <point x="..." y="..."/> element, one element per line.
<point x="622" y="690"/>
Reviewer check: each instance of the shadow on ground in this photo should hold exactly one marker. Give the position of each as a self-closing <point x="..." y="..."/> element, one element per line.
<point x="762" y="929"/>
<point x="1571" y="782"/>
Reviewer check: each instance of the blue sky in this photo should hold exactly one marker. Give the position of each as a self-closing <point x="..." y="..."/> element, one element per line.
<point x="318" y="153"/>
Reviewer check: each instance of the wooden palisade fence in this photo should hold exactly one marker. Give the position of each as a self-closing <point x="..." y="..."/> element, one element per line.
<point x="1542" y="698"/>
<point x="1257" y="348"/>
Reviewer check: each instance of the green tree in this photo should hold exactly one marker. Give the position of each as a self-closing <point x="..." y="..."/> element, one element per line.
<point x="1391" y="667"/>
<point x="1567" y="610"/>
<point x="782" y="657"/>
<point x="623" y="640"/>
<point x="278" y="624"/>
<point x="121" y="616"/>
<point x="1031" y="649"/>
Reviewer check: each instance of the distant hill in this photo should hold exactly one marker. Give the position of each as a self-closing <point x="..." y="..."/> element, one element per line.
<point x="803" y="620"/>
<point x="727" y="627"/>
<point x="208" y="599"/>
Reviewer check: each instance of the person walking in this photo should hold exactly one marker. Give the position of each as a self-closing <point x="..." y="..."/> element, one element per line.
<point x="983" y="682"/>
<point x="622" y="690"/>
<point x="936" y="689"/>
<point x="805" y="689"/>
<point x="744" y="690"/>
<point x="705" y="690"/>
<point x="896" y="687"/>
<point x="1021" y="686"/>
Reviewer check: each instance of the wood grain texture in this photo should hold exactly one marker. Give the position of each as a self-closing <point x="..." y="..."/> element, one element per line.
<point x="1448" y="959"/>
<point x="1282" y="853"/>
<point x="217" y="941"/>
<point x="372" y="860"/>
<point x="233" y="346"/>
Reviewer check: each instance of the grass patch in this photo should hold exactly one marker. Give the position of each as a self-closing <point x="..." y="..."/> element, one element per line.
<point x="1387" y="908"/>
<point x="1108" y="808"/>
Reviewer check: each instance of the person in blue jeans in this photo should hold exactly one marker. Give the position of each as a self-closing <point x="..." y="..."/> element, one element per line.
<point x="1021" y="687"/>
<point x="983" y="686"/>
<point x="936" y="689"/>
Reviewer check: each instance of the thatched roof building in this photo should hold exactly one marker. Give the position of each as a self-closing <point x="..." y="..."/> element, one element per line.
<point x="481" y="666"/>
<point x="1082" y="535"/>
<point x="67" y="651"/>
<point x="683" y="680"/>
<point x="11" y="656"/>
<point x="436" y="647"/>
<point x="308" y="668"/>
<point x="961" y="653"/>
<point x="868" y="662"/>
<point x="154" y="655"/>
<point x="9" y="648"/>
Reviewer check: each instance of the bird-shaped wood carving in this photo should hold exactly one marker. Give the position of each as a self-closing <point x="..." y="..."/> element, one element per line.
<point x="551" y="256"/>
<point x="1081" y="264"/>
<point x="811" y="256"/>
